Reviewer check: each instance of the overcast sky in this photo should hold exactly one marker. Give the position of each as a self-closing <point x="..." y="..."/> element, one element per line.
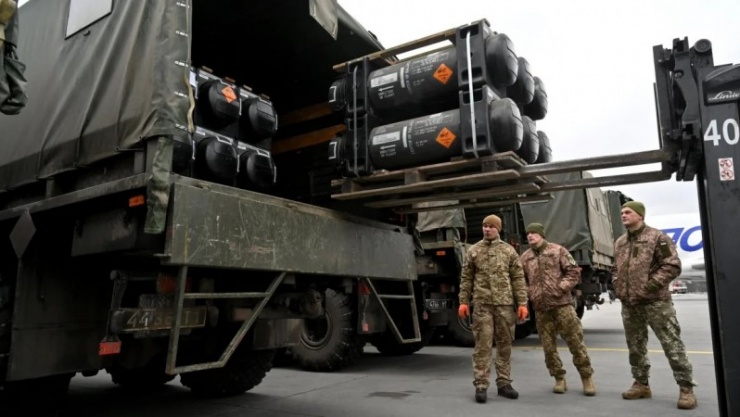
<point x="596" y="61"/>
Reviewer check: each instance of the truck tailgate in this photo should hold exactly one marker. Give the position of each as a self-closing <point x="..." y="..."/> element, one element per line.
<point x="218" y="226"/>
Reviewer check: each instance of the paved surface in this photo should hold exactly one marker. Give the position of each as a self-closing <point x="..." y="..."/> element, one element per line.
<point x="437" y="381"/>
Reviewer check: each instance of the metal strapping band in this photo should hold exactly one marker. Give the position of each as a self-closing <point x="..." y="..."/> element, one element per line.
<point x="470" y="90"/>
<point x="354" y="115"/>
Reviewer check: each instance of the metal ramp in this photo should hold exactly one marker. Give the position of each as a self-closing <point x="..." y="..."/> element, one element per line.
<point x="181" y="296"/>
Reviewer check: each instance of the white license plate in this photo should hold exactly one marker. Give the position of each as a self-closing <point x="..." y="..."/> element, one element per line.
<point x="436" y="304"/>
<point x="138" y="319"/>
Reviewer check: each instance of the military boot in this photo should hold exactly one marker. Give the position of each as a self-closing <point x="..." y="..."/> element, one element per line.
<point x="508" y="391"/>
<point x="687" y="399"/>
<point x="637" y="391"/>
<point x="560" y="386"/>
<point x="481" y="395"/>
<point x="589" y="388"/>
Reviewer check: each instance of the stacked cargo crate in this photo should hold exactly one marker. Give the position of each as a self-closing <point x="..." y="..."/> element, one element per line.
<point x="444" y="125"/>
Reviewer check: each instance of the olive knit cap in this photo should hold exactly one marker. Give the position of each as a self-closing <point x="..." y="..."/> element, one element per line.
<point x="636" y="206"/>
<point x="494" y="221"/>
<point x="536" y="228"/>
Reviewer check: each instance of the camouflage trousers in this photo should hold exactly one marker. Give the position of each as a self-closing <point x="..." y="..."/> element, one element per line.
<point x="661" y="317"/>
<point x="562" y="321"/>
<point x="492" y="323"/>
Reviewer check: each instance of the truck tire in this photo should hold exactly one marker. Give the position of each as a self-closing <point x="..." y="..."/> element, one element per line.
<point x="42" y="397"/>
<point x="149" y="377"/>
<point x="461" y="332"/>
<point x="387" y="344"/>
<point x="459" y="328"/>
<point x="6" y="314"/>
<point x="283" y="358"/>
<point x="244" y="371"/>
<point x="580" y="309"/>
<point x="329" y="343"/>
<point x="523" y="330"/>
<point x="579" y="306"/>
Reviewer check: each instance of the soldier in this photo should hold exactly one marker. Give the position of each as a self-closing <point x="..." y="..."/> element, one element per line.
<point x="493" y="274"/>
<point x="645" y="263"/>
<point x="552" y="273"/>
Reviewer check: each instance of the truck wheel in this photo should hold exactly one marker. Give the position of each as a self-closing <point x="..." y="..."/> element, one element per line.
<point x="43" y="397"/>
<point x="148" y="377"/>
<point x="283" y="358"/>
<point x="329" y="343"/>
<point x="5" y="327"/>
<point x="579" y="306"/>
<point x="387" y="344"/>
<point x="460" y="329"/>
<point x="244" y="371"/>
<point x="580" y="310"/>
<point x="523" y="330"/>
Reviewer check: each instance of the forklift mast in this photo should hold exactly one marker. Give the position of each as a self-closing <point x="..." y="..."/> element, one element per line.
<point x="697" y="106"/>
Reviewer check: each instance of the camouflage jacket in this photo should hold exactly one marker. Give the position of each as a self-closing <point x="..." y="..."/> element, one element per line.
<point x="551" y="273"/>
<point x="493" y="274"/>
<point x="640" y="256"/>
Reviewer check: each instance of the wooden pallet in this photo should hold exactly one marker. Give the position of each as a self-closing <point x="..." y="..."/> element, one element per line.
<point x="488" y="180"/>
<point x="476" y="203"/>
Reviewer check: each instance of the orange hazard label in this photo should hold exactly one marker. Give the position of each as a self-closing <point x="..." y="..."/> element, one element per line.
<point x="446" y="137"/>
<point x="229" y="93"/>
<point x="443" y="74"/>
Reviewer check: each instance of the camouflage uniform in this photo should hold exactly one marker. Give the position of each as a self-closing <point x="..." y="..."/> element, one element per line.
<point x="646" y="260"/>
<point x="552" y="273"/>
<point x="493" y="274"/>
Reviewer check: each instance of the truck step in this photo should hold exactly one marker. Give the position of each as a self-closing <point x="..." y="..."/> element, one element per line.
<point x="396" y="313"/>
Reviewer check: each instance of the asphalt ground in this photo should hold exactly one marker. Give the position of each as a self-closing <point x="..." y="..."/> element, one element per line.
<point x="437" y="381"/>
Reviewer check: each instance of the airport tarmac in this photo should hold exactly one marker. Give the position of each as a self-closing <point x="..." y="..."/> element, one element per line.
<point x="437" y="381"/>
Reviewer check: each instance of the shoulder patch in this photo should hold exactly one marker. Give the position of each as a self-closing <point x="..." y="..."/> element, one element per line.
<point x="665" y="248"/>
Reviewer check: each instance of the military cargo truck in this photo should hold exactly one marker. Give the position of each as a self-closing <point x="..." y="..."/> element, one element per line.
<point x="187" y="165"/>
<point x="616" y="199"/>
<point x="145" y="228"/>
<point x="169" y="207"/>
